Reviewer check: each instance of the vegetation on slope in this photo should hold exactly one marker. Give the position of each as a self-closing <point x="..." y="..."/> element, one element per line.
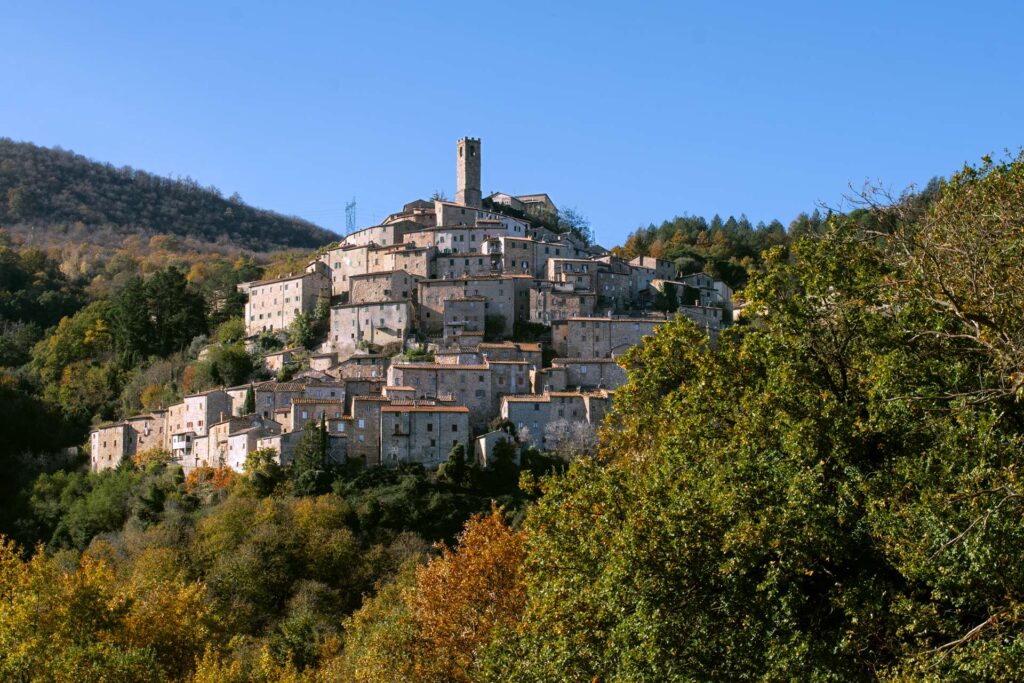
<point x="68" y="197"/>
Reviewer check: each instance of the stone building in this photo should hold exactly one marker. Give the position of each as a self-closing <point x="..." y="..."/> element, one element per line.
<point x="595" y="337"/>
<point x="305" y="410"/>
<point x="322" y="362"/>
<point x="468" y="264"/>
<point x="275" y="360"/>
<point x="468" y="385"/>
<point x="419" y="211"/>
<point x="381" y="235"/>
<point x="285" y="444"/>
<point x="229" y="441"/>
<point x="363" y="429"/>
<point x="360" y="365"/>
<point x="190" y="419"/>
<point x="532" y="413"/>
<point x="468" y="173"/>
<point x="109" y="444"/>
<point x="417" y="261"/>
<point x="389" y="285"/>
<point x="423" y="433"/>
<point x="274" y="304"/>
<point x="483" y="447"/>
<point x="552" y="301"/>
<point x="512" y="350"/>
<point x="273" y="396"/>
<point x="464" y="314"/>
<point x="519" y="256"/>
<point x="355" y="326"/>
<point x="508" y="377"/>
<point x="345" y="261"/>
<point x="499" y="292"/>
<point x="662" y="269"/>
<point x="710" y="292"/>
<point x="579" y="273"/>
<point x="587" y="373"/>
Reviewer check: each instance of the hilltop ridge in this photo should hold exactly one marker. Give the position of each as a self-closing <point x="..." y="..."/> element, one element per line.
<point x="57" y="195"/>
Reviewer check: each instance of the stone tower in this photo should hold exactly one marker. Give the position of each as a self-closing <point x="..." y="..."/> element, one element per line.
<point x="468" y="191"/>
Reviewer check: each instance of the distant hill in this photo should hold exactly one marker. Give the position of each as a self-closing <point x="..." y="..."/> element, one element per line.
<point x="66" y="196"/>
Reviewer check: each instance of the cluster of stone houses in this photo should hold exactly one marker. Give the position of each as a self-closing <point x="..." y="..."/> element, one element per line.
<point x="451" y="275"/>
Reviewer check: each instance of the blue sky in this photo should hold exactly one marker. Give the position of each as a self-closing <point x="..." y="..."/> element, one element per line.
<point x="631" y="112"/>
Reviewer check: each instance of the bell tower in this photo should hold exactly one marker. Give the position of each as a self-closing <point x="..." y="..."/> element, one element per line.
<point x="468" y="189"/>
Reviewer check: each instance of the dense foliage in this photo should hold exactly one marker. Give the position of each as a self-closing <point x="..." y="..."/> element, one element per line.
<point x="79" y="199"/>
<point x="727" y="249"/>
<point x="149" y="576"/>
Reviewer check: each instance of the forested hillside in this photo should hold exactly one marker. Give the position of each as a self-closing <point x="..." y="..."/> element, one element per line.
<point x="59" y="196"/>
<point x="727" y="249"/>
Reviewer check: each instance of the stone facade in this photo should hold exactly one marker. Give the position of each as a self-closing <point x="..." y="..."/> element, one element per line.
<point x="380" y="235"/>
<point x="461" y="315"/>
<point x="109" y="445"/>
<point x="551" y="303"/>
<point x="393" y="285"/>
<point x="468" y="173"/>
<point x="511" y="350"/>
<point x="467" y="385"/>
<point x="191" y="419"/>
<point x="274" y="304"/>
<point x="590" y="373"/>
<point x="499" y="292"/>
<point x="363" y="429"/>
<point x="223" y="449"/>
<point x="532" y="413"/>
<point x="600" y="337"/>
<point x="421" y="433"/>
<point x="380" y="324"/>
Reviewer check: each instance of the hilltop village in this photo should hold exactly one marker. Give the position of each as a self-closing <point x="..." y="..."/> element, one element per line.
<point x="452" y="322"/>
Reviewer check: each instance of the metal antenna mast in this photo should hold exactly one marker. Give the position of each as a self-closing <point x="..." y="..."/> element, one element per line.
<point x="350" y="216"/>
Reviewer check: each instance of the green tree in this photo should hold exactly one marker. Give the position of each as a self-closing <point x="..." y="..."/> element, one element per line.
<point x="176" y="309"/>
<point x="264" y="471"/>
<point x="666" y="298"/>
<point x="505" y="469"/>
<point x="232" y="365"/>
<point x="309" y="466"/>
<point x="571" y="220"/>
<point x="456" y="469"/>
<point x="230" y="331"/>
<point x="249" y="405"/>
<point x="302" y="332"/>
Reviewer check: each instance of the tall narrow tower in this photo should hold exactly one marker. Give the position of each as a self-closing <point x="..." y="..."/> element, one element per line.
<point x="468" y="191"/>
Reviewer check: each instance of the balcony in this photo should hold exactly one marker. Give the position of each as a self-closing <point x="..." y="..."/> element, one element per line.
<point x="182" y="444"/>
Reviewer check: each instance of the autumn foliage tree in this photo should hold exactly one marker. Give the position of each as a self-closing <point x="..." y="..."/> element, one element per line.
<point x="436" y="624"/>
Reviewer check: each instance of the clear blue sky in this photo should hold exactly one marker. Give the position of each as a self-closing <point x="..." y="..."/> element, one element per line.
<point x="631" y="112"/>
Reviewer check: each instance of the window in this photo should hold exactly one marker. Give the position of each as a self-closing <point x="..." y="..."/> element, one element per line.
<point x="362" y="423"/>
<point x="455" y="428"/>
<point x="430" y="427"/>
